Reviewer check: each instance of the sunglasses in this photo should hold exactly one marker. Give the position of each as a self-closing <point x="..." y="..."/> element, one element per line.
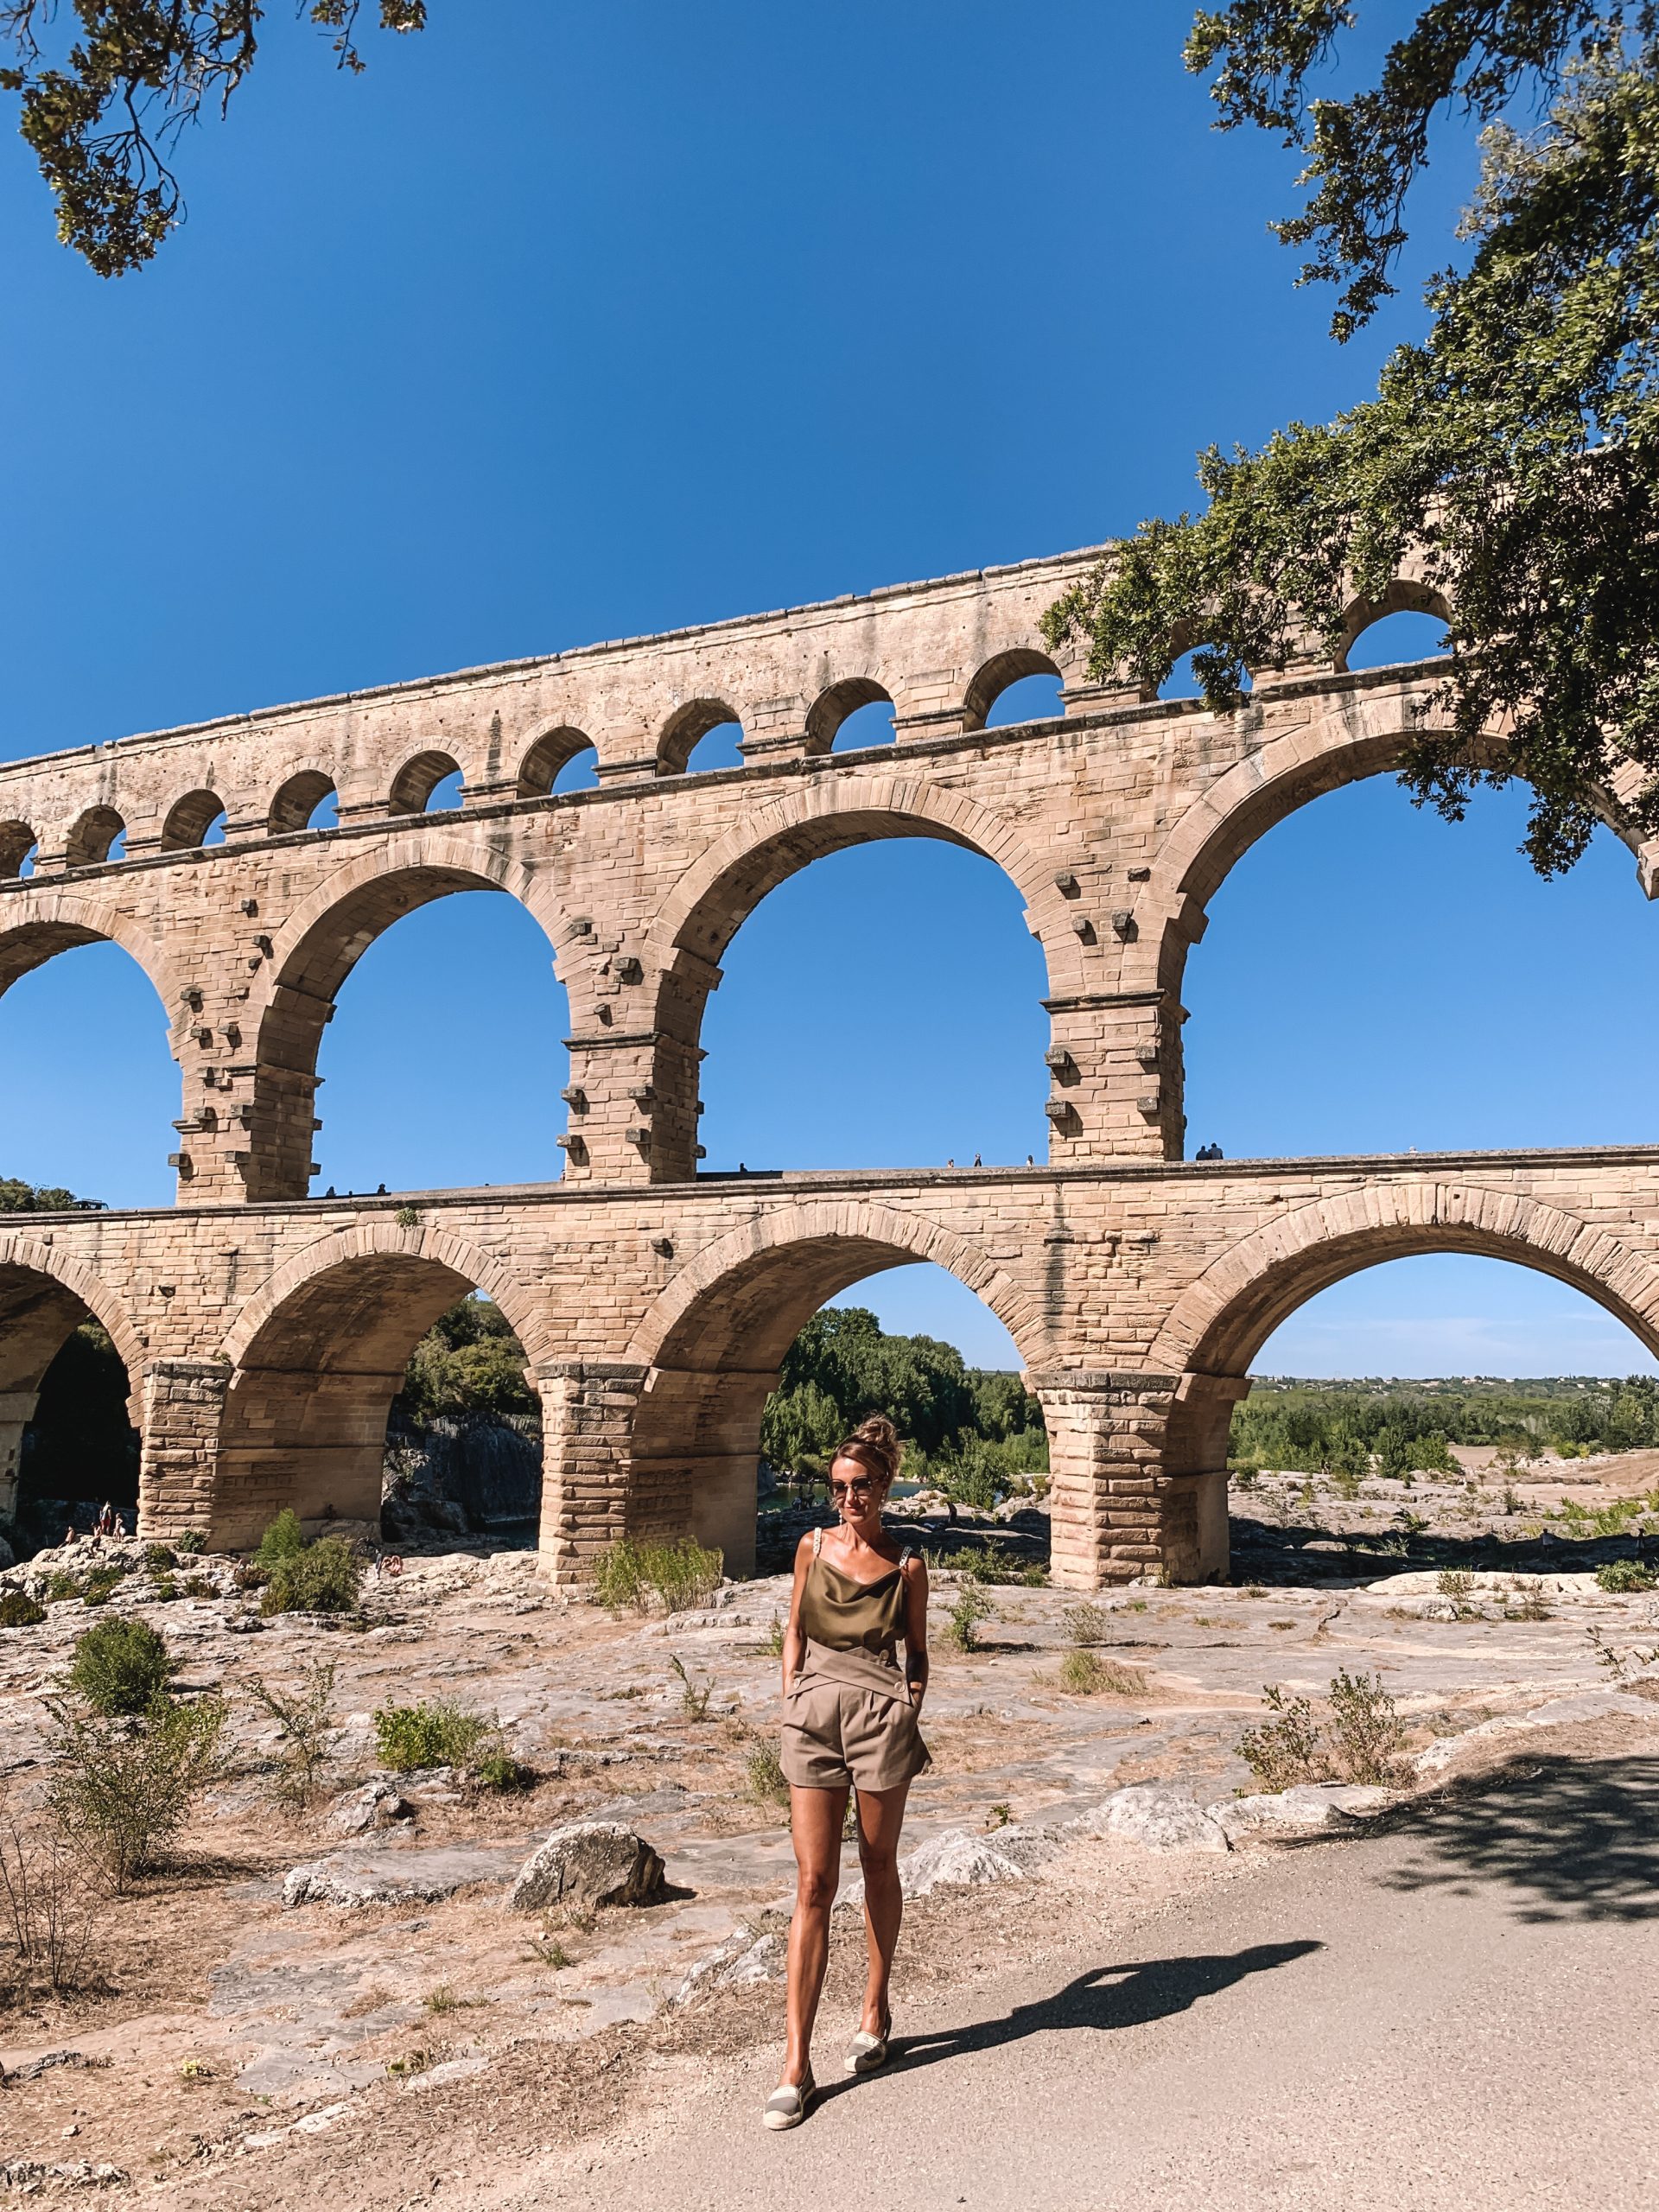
<point x="861" y="1485"/>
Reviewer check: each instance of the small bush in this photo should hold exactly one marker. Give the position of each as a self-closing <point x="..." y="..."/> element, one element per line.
<point x="101" y="1585"/>
<point x="283" y="1539"/>
<point x="198" y="1585"/>
<point x="124" y="1789"/>
<point x="1624" y="1577"/>
<point x="1086" y="1625"/>
<point x="961" y="1624"/>
<point x="322" y="1579"/>
<point x="1460" y="1589"/>
<point x="120" y="1666"/>
<point x="694" y="1696"/>
<point x="500" y="1770"/>
<point x="766" y="1773"/>
<point x="1528" y="1602"/>
<point x="61" y="1586"/>
<point x="1359" y="1739"/>
<point x="19" y="1610"/>
<point x="48" y="1911"/>
<point x="1085" y="1673"/>
<point x="411" y="1737"/>
<point x="675" y="1576"/>
<point x="192" y="1543"/>
<point x="159" y="1560"/>
<point x="305" y="1721"/>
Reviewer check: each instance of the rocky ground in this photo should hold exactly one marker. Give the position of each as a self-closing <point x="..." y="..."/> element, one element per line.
<point x="293" y="1977"/>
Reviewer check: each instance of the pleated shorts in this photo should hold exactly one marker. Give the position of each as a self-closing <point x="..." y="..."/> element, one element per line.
<point x="837" y="1736"/>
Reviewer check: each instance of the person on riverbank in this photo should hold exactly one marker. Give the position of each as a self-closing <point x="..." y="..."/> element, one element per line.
<point x="850" y="1723"/>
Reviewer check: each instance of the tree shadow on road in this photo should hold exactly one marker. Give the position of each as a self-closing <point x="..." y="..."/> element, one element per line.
<point x="1572" y="1838"/>
<point x="1105" y="1997"/>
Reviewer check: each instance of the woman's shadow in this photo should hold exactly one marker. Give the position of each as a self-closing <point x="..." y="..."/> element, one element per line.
<point x="1105" y="1997"/>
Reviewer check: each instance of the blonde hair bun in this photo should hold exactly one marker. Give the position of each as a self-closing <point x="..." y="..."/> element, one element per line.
<point x="875" y="1446"/>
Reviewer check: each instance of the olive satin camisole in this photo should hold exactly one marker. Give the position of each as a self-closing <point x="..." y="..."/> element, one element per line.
<point x="843" y="1614"/>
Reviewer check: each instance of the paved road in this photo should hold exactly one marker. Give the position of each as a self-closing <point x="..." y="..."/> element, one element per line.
<point x="1461" y="2014"/>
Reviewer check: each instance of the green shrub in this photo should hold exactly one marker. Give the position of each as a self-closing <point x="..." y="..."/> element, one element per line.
<point x="322" y="1579"/>
<point x="1624" y="1577"/>
<point x="123" y="1789"/>
<point x="766" y="1773"/>
<point x="500" y="1770"/>
<point x="61" y="1586"/>
<point x="961" y="1624"/>
<point x="101" y="1585"/>
<point x="283" y="1539"/>
<point x="412" y="1737"/>
<point x="158" y="1559"/>
<point x="19" y="1610"/>
<point x="1359" y="1738"/>
<point x="639" y="1574"/>
<point x="1287" y="1749"/>
<point x="305" y="1721"/>
<point x="1085" y="1673"/>
<point x="192" y="1542"/>
<point x="198" y="1585"/>
<point x="121" y="1666"/>
<point x="1085" y="1624"/>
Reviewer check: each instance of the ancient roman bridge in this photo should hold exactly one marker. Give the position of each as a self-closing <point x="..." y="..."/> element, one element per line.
<point x="265" y="1331"/>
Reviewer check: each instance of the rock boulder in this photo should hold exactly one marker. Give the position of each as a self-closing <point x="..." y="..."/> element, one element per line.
<point x="588" y="1864"/>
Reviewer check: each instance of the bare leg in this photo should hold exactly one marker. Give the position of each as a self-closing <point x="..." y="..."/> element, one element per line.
<point x="815" y="1819"/>
<point x="880" y="1817"/>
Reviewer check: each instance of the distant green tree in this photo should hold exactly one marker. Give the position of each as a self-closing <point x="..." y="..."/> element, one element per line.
<point x="42" y="1197"/>
<point x="468" y="1362"/>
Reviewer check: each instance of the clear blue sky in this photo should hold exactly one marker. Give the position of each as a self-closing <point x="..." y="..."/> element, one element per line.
<point x="560" y="325"/>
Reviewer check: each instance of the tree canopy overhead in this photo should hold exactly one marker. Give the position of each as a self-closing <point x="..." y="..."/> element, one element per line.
<point x="104" y="101"/>
<point x="1509" y="458"/>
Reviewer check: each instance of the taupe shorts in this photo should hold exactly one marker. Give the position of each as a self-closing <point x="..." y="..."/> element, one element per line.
<point x="836" y="1736"/>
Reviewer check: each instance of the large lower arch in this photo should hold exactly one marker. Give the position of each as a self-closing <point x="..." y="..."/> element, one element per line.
<point x="1222" y="1320"/>
<point x="319" y="947"/>
<point x="716" y="895"/>
<point x="314" y="1363"/>
<point x="665" y="1441"/>
<point x="43" y="1299"/>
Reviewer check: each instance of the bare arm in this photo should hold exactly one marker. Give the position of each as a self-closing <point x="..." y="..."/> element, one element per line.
<point x="794" y="1634"/>
<point x="916" y="1662"/>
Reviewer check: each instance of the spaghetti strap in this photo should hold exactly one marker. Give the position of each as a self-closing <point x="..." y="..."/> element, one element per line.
<point x="817" y="1541"/>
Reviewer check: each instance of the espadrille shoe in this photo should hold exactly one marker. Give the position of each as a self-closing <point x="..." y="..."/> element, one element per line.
<point x="866" y="2052"/>
<point x="787" y="2105"/>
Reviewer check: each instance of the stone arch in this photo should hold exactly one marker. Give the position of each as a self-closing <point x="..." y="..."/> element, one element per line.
<point x="416" y="781"/>
<point x="319" y="946"/>
<point x="993" y="679"/>
<point x="49" y="922"/>
<point x="1222" y="1320"/>
<point x="317" y="1357"/>
<point x="1404" y="595"/>
<point x="44" y="1298"/>
<point x="17" y="841"/>
<point x="189" y="819"/>
<point x="297" y="799"/>
<point x="703" y="1359"/>
<point x="685" y="729"/>
<point x="77" y="1284"/>
<point x="90" y="839"/>
<point x="719" y="892"/>
<point x="832" y="706"/>
<point x="553" y="751"/>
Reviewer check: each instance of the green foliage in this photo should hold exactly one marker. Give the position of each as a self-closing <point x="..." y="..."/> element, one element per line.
<point x="191" y="1542"/>
<point x="158" y="1559"/>
<point x="844" y="1366"/>
<point x="124" y="1787"/>
<point x="1085" y="1624"/>
<point x="413" y="1736"/>
<point x="30" y="1197"/>
<point x="764" y="1771"/>
<point x="962" y="1622"/>
<point x="19" y="1610"/>
<point x="100" y="106"/>
<point x="468" y="1362"/>
<point x="1085" y="1673"/>
<point x="120" y="1666"/>
<point x="1295" y="1427"/>
<point x="1625" y="1577"/>
<point x="283" y="1539"/>
<point x="305" y="1722"/>
<point x="1512" y="457"/>
<point x="694" y="1696"/>
<point x="100" y="1584"/>
<point x="322" y="1579"/>
<point x="500" y="1770"/>
<point x="1358" y="1738"/>
<point x="639" y="1575"/>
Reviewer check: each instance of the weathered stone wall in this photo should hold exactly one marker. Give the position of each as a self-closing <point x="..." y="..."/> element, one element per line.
<point x="265" y="1333"/>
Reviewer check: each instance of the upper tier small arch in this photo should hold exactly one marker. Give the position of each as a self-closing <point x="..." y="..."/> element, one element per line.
<point x="297" y="799"/>
<point x="189" y="819"/>
<point x="416" y="781"/>
<point x="685" y="729"/>
<point x="93" y="836"/>
<point x="832" y="708"/>
<point x="997" y="674"/>
<point x="552" y="752"/>
<point x="17" y="843"/>
<point x="1403" y="596"/>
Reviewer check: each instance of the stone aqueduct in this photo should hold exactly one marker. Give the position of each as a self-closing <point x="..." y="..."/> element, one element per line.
<point x="265" y="1331"/>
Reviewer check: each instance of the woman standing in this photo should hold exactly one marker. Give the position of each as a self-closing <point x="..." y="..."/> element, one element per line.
<point x="849" y="1723"/>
